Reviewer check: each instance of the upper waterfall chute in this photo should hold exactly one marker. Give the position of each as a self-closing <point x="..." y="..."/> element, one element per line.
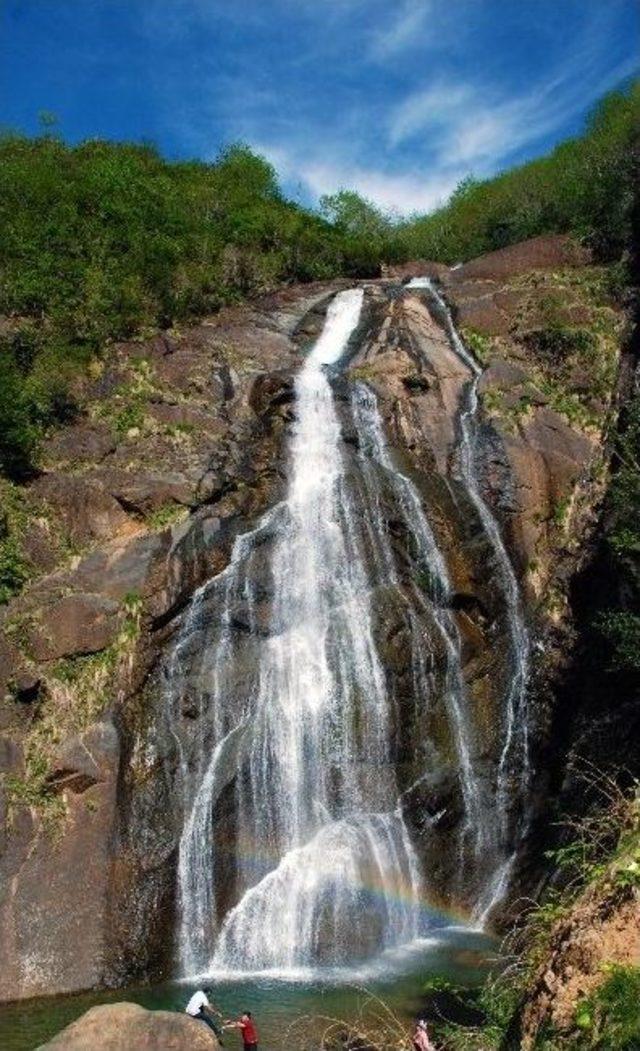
<point x="343" y="315"/>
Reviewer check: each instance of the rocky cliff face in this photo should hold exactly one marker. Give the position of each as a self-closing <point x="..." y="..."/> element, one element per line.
<point x="138" y="505"/>
<point x="182" y="448"/>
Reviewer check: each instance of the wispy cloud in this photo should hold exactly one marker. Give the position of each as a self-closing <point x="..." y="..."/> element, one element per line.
<point x="402" y="193"/>
<point x="479" y="124"/>
<point x="396" y="101"/>
<point x="407" y="29"/>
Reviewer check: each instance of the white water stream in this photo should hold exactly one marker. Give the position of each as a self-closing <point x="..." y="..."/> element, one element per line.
<point x="515" y="751"/>
<point x="290" y="792"/>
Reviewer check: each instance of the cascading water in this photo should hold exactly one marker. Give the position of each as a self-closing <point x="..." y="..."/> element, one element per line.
<point x="515" y="752"/>
<point x="479" y="815"/>
<point x="317" y="792"/>
<point x="514" y="757"/>
<point x="289" y="789"/>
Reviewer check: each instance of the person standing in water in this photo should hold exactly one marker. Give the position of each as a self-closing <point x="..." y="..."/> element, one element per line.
<point x="248" y="1031"/>
<point x="200" y="1006"/>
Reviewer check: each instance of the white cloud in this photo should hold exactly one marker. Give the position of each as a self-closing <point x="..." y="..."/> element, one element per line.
<point x="350" y="129"/>
<point x="434" y="107"/>
<point x="403" y="193"/>
<point x="470" y="125"/>
<point x="405" y="31"/>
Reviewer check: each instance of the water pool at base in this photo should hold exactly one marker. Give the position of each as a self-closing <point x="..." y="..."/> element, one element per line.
<point x="457" y="954"/>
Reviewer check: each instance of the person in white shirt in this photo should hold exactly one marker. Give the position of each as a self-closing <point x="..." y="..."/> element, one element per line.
<point x="200" y="1006"/>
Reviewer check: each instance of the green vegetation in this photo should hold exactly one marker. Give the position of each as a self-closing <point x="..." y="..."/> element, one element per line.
<point x="106" y="241"/>
<point x="585" y="186"/>
<point x="478" y="343"/>
<point x="74" y="694"/>
<point x="619" y="625"/>
<point x="600" y="863"/>
<point x="167" y="515"/>
<point x="610" y="1018"/>
<point x="15" y="568"/>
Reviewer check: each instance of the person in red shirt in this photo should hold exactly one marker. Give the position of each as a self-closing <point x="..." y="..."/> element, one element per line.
<point x="248" y="1029"/>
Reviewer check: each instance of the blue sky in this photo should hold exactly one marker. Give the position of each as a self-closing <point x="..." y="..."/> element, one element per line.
<point x="398" y="99"/>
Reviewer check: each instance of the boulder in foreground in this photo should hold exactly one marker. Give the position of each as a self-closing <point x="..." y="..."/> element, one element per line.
<point x="129" y="1027"/>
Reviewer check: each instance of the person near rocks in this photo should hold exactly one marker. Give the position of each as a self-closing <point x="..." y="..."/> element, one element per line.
<point x="248" y="1031"/>
<point x="420" y="1039"/>
<point x="200" y="1006"/>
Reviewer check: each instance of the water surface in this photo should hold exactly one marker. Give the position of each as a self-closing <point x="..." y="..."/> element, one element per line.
<point x="281" y="1006"/>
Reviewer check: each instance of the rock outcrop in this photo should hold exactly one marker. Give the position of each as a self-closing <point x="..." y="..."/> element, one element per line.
<point x="123" y="1027"/>
<point x="180" y="450"/>
<point x="138" y="504"/>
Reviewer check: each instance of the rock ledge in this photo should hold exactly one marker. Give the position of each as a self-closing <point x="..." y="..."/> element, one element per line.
<point x="129" y="1027"/>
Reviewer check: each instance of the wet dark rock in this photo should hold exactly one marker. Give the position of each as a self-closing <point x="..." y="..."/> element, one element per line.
<point x="416" y="382"/>
<point x="270" y="391"/>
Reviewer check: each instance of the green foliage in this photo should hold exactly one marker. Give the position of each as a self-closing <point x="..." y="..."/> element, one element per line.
<point x="478" y="344"/>
<point x="620" y="626"/>
<point x="558" y="342"/>
<point x="610" y="1018"/>
<point x="624" y="492"/>
<point x="15" y="568"/>
<point x="367" y="234"/>
<point x="166" y="516"/>
<point x="19" y="432"/>
<point x="131" y="416"/>
<point x="103" y="240"/>
<point x="560" y="511"/>
<point x="622" y="629"/>
<point x="601" y="856"/>
<point x="585" y="186"/>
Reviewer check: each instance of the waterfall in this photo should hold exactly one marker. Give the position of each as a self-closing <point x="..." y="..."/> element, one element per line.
<point x="514" y="758"/>
<point x="479" y="814"/>
<point x="324" y="867"/>
<point x="294" y="852"/>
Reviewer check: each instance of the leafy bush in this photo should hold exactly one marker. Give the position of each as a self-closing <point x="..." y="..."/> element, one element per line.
<point x="14" y="571"/>
<point x="557" y="342"/>
<point x="622" y="629"/>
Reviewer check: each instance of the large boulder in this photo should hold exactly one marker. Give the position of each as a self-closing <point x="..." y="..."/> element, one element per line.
<point x="55" y="870"/>
<point x="125" y="1027"/>
<point x="86" y="509"/>
<point x="74" y="624"/>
